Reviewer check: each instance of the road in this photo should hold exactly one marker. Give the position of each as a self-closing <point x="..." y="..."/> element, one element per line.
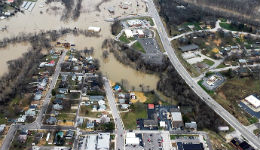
<point x="37" y="124"/>
<point x="119" y="131"/>
<point x="194" y="86"/>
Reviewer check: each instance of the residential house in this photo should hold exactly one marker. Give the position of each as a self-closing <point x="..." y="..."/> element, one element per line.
<point x="96" y="98"/>
<point x="69" y="134"/>
<point x="2" y="128"/>
<point x="125" y="106"/>
<point x="121" y="101"/>
<point x="22" y="138"/>
<point x="104" y="119"/>
<point x="121" y="95"/>
<point x="117" y="88"/>
<point x="51" y="120"/>
<point x="90" y="125"/>
<point x="102" y="108"/>
<point x="80" y="121"/>
<point x="57" y="101"/>
<point x="60" y="96"/>
<point x="21" y="119"/>
<point x="38" y="95"/>
<point x="57" y="107"/>
<point x="30" y="112"/>
<point x="63" y="90"/>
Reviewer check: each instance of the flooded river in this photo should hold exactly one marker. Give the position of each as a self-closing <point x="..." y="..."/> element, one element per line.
<point x="47" y="18"/>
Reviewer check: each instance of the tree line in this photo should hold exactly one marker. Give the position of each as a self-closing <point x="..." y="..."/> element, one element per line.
<point x="170" y="84"/>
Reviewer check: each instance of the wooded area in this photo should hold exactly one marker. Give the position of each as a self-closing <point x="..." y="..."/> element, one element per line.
<point x="170" y="84"/>
<point x="176" y="12"/>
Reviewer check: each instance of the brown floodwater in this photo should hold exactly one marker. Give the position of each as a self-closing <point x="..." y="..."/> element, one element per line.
<point x="112" y="68"/>
<point x="11" y="52"/>
<point x="46" y="18"/>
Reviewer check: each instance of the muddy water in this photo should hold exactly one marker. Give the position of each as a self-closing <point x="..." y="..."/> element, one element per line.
<point x="110" y="67"/>
<point x="11" y="52"/>
<point x="43" y="19"/>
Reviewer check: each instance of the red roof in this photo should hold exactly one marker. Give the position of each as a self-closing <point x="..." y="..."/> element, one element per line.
<point x="10" y="1"/>
<point x="52" y="62"/>
<point x="150" y="106"/>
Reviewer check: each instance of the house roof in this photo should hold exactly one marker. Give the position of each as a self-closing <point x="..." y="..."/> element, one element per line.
<point x="103" y="141"/>
<point x="193" y="146"/>
<point x="150" y="106"/>
<point x="189" y="47"/>
<point x="176" y="116"/>
<point x="253" y="101"/>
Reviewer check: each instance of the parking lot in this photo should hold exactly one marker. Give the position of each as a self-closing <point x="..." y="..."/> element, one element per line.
<point x="152" y="141"/>
<point x="150" y="45"/>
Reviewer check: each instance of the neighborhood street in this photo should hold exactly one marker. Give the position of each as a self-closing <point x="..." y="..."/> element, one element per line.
<point x="119" y="131"/>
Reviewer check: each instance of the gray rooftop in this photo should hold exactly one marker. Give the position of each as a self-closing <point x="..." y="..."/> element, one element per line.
<point x="189" y="47"/>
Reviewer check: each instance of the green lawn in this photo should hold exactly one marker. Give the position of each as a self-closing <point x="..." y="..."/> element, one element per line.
<point x="232" y="92"/>
<point x="158" y="39"/>
<point x="138" y="46"/>
<point x="67" y="117"/>
<point x="208" y="91"/>
<point x="196" y="25"/>
<point x="129" y="118"/>
<point x="208" y="62"/>
<point x="124" y="39"/>
<point x="87" y="111"/>
<point x="222" y="65"/>
<point x="256" y="131"/>
<point x="253" y="120"/>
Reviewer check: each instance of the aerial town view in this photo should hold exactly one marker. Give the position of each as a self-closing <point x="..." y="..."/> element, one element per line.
<point x="130" y="75"/>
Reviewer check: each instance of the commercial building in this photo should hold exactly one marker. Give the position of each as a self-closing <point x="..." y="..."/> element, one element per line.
<point x="140" y="33"/>
<point x="129" y="33"/>
<point x="134" y="23"/>
<point x="99" y="141"/>
<point x="253" y="101"/>
<point x="131" y="139"/>
<point x="190" y="47"/>
<point x="176" y="119"/>
<point x="94" y="29"/>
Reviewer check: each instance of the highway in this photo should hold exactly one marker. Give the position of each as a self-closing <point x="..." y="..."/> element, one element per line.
<point x="193" y="85"/>
<point x="119" y="131"/>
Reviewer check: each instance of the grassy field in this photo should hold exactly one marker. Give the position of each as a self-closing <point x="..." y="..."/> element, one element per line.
<point x="211" y="93"/>
<point x="129" y="118"/>
<point x="124" y="39"/>
<point x="157" y="38"/>
<point x="193" y="72"/>
<point x="208" y="62"/>
<point x="256" y="132"/>
<point x="222" y="65"/>
<point x="138" y="46"/>
<point x="67" y="117"/>
<point x="218" y="141"/>
<point x="87" y="111"/>
<point x="196" y="25"/>
<point x="234" y="90"/>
